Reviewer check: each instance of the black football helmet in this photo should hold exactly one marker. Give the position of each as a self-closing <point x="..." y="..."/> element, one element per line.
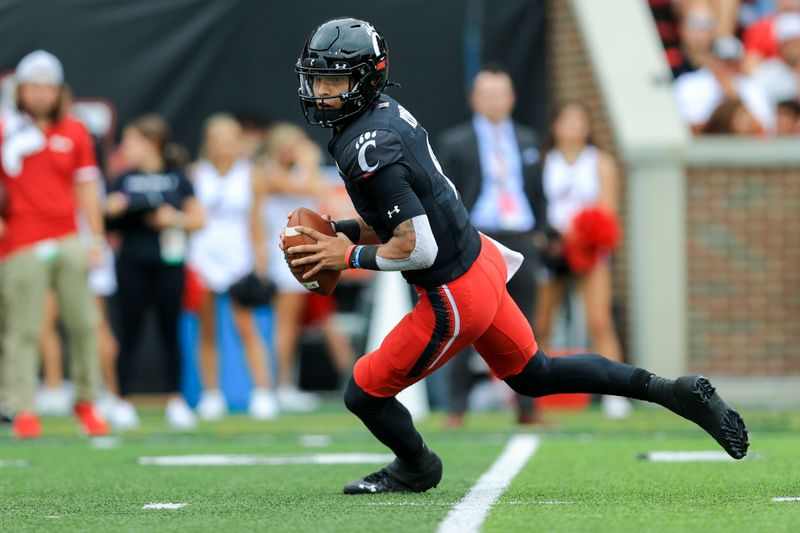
<point x="342" y="47"/>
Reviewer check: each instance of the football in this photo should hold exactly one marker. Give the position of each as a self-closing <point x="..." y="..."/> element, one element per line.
<point x="325" y="281"/>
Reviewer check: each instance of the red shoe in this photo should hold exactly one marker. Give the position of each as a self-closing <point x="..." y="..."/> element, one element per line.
<point x="26" y="426"/>
<point x="91" y="423"/>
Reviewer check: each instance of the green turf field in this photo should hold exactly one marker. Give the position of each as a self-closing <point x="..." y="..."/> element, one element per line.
<point x="585" y="476"/>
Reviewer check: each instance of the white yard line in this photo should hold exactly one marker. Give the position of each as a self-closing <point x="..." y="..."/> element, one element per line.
<point x="13" y="463"/>
<point x="688" y="457"/>
<point x="468" y="514"/>
<point x="270" y="460"/>
<point x="164" y="506"/>
<point x="787" y="499"/>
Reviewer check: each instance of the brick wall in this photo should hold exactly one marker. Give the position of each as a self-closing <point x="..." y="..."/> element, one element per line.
<point x="743" y="244"/>
<point x="570" y="77"/>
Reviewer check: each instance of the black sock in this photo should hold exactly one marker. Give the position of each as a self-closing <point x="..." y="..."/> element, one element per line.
<point x="589" y="373"/>
<point x="389" y="421"/>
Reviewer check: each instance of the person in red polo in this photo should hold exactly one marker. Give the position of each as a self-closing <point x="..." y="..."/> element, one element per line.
<point x="49" y="171"/>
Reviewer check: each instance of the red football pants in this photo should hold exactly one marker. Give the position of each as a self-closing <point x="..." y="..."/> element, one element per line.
<point x="472" y="309"/>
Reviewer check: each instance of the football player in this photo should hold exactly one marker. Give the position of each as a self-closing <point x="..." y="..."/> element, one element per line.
<point x="412" y="221"/>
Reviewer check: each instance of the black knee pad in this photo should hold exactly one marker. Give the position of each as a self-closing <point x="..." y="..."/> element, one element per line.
<point x="358" y="402"/>
<point x="534" y="379"/>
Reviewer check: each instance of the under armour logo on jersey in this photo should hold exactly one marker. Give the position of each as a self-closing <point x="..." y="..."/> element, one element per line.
<point x="364" y="141"/>
<point x="393" y="211"/>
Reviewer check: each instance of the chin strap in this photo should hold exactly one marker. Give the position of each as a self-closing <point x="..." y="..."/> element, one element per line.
<point x="324" y="116"/>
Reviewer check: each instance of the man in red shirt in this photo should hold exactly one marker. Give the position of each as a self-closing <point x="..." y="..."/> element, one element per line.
<point x="48" y="168"/>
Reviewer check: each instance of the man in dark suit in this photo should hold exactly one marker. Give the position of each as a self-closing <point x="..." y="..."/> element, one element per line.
<point x="495" y="165"/>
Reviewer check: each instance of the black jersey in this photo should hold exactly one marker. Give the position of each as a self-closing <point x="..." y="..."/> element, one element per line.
<point x="386" y="135"/>
<point x="146" y="192"/>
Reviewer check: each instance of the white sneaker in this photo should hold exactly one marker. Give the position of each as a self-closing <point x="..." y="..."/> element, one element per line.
<point x="616" y="407"/>
<point x="263" y="405"/>
<point x="53" y="402"/>
<point x="123" y="416"/>
<point x="294" y="400"/>
<point x="179" y="416"/>
<point x="104" y="403"/>
<point x="212" y="405"/>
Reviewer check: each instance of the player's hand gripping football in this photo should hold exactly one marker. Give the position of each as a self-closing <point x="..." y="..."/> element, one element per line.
<point x="329" y="253"/>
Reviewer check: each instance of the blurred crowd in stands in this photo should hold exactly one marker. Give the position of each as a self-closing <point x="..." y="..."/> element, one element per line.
<point x="736" y="64"/>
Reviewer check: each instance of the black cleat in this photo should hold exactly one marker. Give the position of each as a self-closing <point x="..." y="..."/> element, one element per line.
<point x="694" y="398"/>
<point x="397" y="476"/>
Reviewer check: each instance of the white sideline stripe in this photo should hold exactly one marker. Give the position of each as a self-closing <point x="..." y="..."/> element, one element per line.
<point x="164" y="506"/>
<point x="688" y="457"/>
<point x="273" y="460"/>
<point x="471" y="511"/>
<point x="787" y="499"/>
<point x="13" y="463"/>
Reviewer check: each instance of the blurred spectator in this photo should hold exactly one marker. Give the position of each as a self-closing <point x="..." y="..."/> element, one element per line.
<point x="578" y="175"/>
<point x="789" y="117"/>
<point x="731" y="117"/>
<point x="494" y="164"/>
<point x="780" y="75"/>
<point x="726" y="13"/>
<point x="254" y="131"/>
<point x="54" y="396"/>
<point x="698" y="93"/>
<point x="696" y="29"/>
<point x="681" y="33"/>
<point x="293" y="180"/>
<point x="760" y="39"/>
<point x="230" y="247"/>
<point x="152" y="207"/>
<point x="49" y="171"/>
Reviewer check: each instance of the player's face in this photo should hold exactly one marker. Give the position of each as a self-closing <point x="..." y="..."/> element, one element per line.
<point x="326" y="86"/>
<point x="39" y="99"/>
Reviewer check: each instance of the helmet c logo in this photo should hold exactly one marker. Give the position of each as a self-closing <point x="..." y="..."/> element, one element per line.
<point x="365" y="140"/>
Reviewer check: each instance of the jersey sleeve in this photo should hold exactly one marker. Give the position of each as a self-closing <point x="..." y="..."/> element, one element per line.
<point x="85" y="160"/>
<point x="390" y="189"/>
<point x="370" y="152"/>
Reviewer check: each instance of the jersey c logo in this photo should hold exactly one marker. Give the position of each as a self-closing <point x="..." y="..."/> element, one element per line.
<point x="366" y="140"/>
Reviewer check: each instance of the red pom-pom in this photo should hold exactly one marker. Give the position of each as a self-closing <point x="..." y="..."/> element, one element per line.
<point x="594" y="233"/>
<point x="595" y="226"/>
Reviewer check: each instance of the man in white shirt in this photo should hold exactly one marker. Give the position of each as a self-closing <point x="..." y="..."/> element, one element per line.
<point x="699" y="93"/>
